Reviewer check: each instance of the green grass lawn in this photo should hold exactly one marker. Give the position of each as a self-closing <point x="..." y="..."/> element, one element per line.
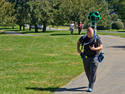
<point x="39" y="63"/>
<point x="112" y="34"/>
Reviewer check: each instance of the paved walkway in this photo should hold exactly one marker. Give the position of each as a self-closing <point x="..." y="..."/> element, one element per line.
<point x="110" y="74"/>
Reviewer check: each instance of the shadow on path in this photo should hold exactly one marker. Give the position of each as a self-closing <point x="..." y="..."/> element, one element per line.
<point x="57" y="89"/>
<point x="122" y="31"/>
<point x="117" y="46"/>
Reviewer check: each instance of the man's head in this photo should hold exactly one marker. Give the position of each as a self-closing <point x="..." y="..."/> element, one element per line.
<point x="90" y="32"/>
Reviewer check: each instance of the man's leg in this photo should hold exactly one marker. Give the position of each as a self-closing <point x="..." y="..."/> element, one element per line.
<point x="71" y="31"/>
<point x="87" y="68"/>
<point x="93" y="68"/>
<point x="79" y="31"/>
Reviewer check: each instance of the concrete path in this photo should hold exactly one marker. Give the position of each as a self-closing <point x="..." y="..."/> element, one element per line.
<point x="110" y="73"/>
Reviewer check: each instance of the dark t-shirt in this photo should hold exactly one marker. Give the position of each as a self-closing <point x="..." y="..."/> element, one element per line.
<point x="86" y="42"/>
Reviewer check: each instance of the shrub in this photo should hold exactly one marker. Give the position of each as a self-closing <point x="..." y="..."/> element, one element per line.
<point x="117" y="25"/>
<point x="101" y="28"/>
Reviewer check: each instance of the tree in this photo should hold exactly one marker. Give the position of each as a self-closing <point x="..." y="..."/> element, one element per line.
<point x="102" y="7"/>
<point x="117" y="7"/>
<point x="121" y="9"/>
<point x="2" y="11"/>
<point x="114" y="17"/>
<point x="34" y="13"/>
<point x="40" y="12"/>
<point x="70" y="10"/>
<point x="78" y="10"/>
<point x="46" y="13"/>
<point x="58" y="12"/>
<point x="7" y="16"/>
<point x="22" y="12"/>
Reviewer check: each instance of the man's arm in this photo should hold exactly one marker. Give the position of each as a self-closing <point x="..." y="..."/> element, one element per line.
<point x="100" y="47"/>
<point x="78" y="47"/>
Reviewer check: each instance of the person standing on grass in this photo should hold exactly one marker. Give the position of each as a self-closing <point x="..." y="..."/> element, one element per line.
<point x="80" y="26"/>
<point x="92" y="45"/>
<point x="72" y="27"/>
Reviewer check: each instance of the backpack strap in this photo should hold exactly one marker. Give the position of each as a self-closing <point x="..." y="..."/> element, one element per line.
<point x="84" y="38"/>
<point x="96" y="38"/>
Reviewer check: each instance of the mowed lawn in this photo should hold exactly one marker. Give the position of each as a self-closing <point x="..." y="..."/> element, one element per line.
<point x="38" y="63"/>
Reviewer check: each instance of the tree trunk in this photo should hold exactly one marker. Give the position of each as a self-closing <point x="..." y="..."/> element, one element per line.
<point x="36" y="29"/>
<point x="12" y="26"/>
<point x="29" y="27"/>
<point x="20" y="27"/>
<point x="23" y="27"/>
<point x="44" y="27"/>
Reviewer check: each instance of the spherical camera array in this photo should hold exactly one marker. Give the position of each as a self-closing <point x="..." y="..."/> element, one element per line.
<point x="94" y="16"/>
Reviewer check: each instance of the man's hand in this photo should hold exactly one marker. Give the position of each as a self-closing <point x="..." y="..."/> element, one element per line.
<point x="92" y="48"/>
<point x="95" y="49"/>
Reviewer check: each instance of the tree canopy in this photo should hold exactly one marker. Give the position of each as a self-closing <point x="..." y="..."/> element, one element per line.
<point x="59" y="12"/>
<point x="7" y="15"/>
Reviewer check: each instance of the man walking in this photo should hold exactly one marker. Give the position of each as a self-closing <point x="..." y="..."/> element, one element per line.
<point x="92" y="45"/>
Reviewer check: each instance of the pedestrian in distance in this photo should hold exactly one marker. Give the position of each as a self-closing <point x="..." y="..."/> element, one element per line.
<point x="72" y="27"/>
<point x="92" y="45"/>
<point x="80" y="27"/>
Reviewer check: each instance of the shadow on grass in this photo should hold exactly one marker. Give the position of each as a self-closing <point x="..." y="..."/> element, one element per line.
<point x="1" y="28"/>
<point x="57" y="89"/>
<point x="23" y="32"/>
<point x="27" y="32"/>
<point x="13" y="30"/>
<point x="63" y="34"/>
<point x="117" y="47"/>
<point x="38" y="32"/>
